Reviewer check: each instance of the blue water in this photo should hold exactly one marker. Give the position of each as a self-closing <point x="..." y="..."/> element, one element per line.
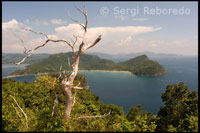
<point x="9" y="68"/>
<point x="128" y="90"/>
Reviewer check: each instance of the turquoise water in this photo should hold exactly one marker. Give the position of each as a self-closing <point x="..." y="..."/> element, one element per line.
<point x="128" y="90"/>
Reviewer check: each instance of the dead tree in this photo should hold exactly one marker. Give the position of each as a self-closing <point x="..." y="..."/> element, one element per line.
<point x="66" y="83"/>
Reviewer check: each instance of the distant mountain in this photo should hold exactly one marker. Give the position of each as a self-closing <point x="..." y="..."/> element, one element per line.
<point x="103" y="55"/>
<point x="8" y="58"/>
<point x="124" y="57"/>
<point x="140" y="65"/>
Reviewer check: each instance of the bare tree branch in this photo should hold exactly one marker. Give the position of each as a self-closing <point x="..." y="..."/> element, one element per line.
<point x="18" y="63"/>
<point x="77" y="36"/>
<point x="66" y="82"/>
<point x="69" y="62"/>
<point x="94" y="43"/>
<point x="21" y="110"/>
<point x="60" y="72"/>
<point x="74" y="100"/>
<point x="37" y="33"/>
<point x="78" y="84"/>
<point x="91" y="117"/>
<point x="85" y="15"/>
<point x="80" y="88"/>
<point x="19" y="116"/>
<point x="84" y="27"/>
<point x="76" y="39"/>
<point x="76" y="21"/>
<point x="25" y="50"/>
<point x="30" y="52"/>
<point x="16" y="110"/>
<point x="77" y="87"/>
<point x="55" y="105"/>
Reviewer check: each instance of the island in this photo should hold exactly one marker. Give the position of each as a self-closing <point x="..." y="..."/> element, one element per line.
<point x="140" y="65"/>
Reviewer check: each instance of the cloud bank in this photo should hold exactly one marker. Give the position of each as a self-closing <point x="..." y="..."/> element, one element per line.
<point x="114" y="39"/>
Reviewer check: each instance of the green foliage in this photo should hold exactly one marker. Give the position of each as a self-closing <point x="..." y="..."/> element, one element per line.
<point x="140" y="65"/>
<point x="180" y="112"/>
<point x="142" y="121"/>
<point x="37" y="100"/>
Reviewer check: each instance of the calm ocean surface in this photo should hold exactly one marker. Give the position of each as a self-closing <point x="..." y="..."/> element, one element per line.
<point x="128" y="90"/>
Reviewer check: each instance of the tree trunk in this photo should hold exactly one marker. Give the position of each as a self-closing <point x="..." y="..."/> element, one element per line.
<point x="67" y="83"/>
<point x="69" y="100"/>
<point x="67" y="87"/>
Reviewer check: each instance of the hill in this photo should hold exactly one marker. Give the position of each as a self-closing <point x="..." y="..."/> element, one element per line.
<point x="126" y="56"/>
<point x="9" y="58"/>
<point x="140" y="65"/>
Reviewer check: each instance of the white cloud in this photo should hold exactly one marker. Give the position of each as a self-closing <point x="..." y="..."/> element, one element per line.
<point x="58" y="21"/>
<point x="38" y="22"/>
<point x="114" y="39"/>
<point x="111" y="33"/>
<point x="53" y="36"/>
<point x="154" y="45"/>
<point x="13" y="24"/>
<point x="11" y="29"/>
<point x="128" y="39"/>
<point x="125" y="41"/>
<point x="110" y="36"/>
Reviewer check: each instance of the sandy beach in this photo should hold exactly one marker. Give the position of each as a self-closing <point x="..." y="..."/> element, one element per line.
<point x="106" y="71"/>
<point x="10" y="76"/>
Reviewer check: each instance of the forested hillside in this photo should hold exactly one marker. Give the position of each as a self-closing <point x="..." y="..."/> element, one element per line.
<point x="140" y="65"/>
<point x="30" y="107"/>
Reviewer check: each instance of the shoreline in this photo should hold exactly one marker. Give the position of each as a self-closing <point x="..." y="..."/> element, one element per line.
<point x="115" y="71"/>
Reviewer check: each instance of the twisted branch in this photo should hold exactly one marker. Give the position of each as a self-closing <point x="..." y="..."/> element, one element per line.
<point x="67" y="81"/>
<point x="30" y="52"/>
<point x="37" y="32"/>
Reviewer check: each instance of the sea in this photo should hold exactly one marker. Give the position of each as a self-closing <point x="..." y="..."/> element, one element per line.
<point x="127" y="90"/>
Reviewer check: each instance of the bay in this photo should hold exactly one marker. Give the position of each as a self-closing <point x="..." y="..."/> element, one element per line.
<point x="128" y="90"/>
<point x="7" y="69"/>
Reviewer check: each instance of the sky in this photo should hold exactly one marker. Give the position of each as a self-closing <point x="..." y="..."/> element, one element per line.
<point x="126" y="27"/>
